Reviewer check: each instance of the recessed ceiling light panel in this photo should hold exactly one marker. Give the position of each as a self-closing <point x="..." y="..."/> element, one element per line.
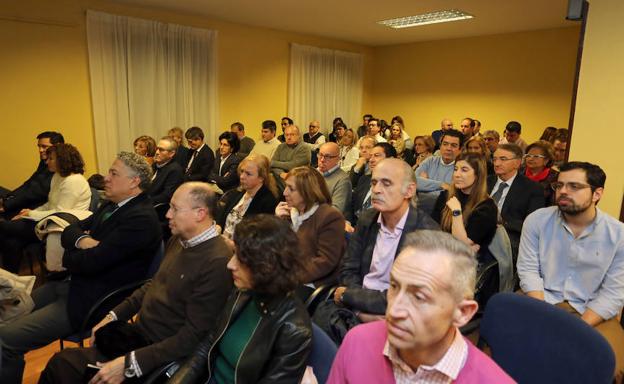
<point x="426" y="18"/>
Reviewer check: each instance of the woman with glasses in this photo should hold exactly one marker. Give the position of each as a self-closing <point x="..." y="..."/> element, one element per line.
<point x="319" y="226"/>
<point x="466" y="210"/>
<point x="538" y="160"/>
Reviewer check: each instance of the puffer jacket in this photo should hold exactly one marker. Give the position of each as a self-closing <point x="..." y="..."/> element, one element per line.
<point x="276" y="353"/>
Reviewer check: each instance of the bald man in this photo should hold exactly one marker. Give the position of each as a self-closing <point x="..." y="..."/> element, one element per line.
<point x="288" y="155"/>
<point x="338" y="181"/>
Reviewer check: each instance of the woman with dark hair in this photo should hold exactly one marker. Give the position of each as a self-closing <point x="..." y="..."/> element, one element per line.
<point x="264" y="334"/>
<point x="319" y="226"/>
<point x="549" y="134"/>
<point x="466" y="210"/>
<point x="69" y="191"/>
<point x="145" y="146"/>
<point x="538" y="160"/>
<point x="338" y="129"/>
<point x="224" y="171"/>
<point x="256" y="194"/>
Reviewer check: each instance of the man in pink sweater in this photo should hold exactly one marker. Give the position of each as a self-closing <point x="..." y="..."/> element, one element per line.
<point x="430" y="297"/>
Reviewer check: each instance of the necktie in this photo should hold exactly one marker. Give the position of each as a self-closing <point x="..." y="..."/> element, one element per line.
<point x="188" y="167"/>
<point x="499" y="192"/>
<point x="109" y="212"/>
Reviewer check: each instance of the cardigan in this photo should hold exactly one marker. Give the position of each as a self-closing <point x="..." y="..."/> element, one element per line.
<point x="66" y="193"/>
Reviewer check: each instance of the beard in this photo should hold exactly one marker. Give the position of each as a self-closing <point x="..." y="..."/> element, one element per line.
<point x="573" y="209"/>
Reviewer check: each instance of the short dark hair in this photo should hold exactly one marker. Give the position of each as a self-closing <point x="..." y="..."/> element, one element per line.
<point x="232" y="140"/>
<point x="454" y="133"/>
<point x="55" y="137"/>
<point x="368" y="115"/>
<point x="475" y="123"/>
<point x="388" y="149"/>
<point x="290" y="121"/>
<point x="194" y="133"/>
<point x="513" y="126"/>
<point x="513" y="148"/>
<point x="269" y="247"/>
<point x="238" y="125"/>
<point x="68" y="159"/>
<point x="374" y="119"/>
<point x="269" y="124"/>
<point x="596" y="177"/>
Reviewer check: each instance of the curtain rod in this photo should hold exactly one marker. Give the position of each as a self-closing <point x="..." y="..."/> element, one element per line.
<point x="39" y="21"/>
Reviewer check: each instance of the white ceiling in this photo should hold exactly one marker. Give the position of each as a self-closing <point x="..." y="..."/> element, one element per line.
<point x="355" y="20"/>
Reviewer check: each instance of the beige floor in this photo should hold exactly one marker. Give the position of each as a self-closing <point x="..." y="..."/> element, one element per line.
<point x="36" y="360"/>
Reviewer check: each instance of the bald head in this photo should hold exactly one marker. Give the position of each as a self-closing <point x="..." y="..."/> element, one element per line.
<point x="292" y="135"/>
<point x="328" y="156"/>
<point x="314" y="127"/>
<point x="446" y="124"/>
<point x="191" y="209"/>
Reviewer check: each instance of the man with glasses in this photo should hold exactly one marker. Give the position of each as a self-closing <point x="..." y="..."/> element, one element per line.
<point x="315" y="138"/>
<point x="168" y="174"/>
<point x="515" y="195"/>
<point x="491" y="139"/>
<point x="572" y="254"/>
<point x="337" y="180"/>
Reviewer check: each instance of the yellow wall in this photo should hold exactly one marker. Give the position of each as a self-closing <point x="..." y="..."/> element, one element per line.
<point x="525" y="76"/>
<point x="45" y="79"/>
<point x="598" y="135"/>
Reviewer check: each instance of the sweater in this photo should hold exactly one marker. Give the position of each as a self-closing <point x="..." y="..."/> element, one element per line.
<point x="66" y="193"/>
<point x="437" y="174"/>
<point x="360" y="359"/>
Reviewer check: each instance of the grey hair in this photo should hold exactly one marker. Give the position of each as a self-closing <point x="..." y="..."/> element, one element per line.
<point x="463" y="259"/>
<point x="173" y="146"/>
<point x="138" y="167"/>
<point x="492" y="133"/>
<point x="202" y="196"/>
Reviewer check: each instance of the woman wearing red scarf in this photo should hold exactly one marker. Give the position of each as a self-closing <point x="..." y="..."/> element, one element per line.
<point x="537" y="167"/>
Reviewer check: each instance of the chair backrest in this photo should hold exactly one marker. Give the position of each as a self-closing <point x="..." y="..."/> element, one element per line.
<point x="500" y="248"/>
<point x="536" y="342"/>
<point x="155" y="264"/>
<point x="95" y="200"/>
<point x="322" y="355"/>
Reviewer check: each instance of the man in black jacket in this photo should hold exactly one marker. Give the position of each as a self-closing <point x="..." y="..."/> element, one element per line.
<point x="201" y="159"/>
<point x="112" y="248"/>
<point x="168" y="174"/>
<point x="34" y="191"/>
<point x="365" y="272"/>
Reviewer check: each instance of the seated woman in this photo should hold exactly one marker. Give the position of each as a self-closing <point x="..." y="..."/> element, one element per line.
<point x="257" y="193"/>
<point x="466" y="210"/>
<point x="224" y="171"/>
<point x="145" y="146"/>
<point x="264" y="334"/>
<point x="349" y="153"/>
<point x="69" y="191"/>
<point x="396" y="139"/>
<point x="423" y="148"/>
<point x="319" y="226"/>
<point x="338" y="129"/>
<point x="476" y="144"/>
<point x="538" y="161"/>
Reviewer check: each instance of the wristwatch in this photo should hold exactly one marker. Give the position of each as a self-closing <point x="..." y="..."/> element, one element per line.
<point x="456" y="212"/>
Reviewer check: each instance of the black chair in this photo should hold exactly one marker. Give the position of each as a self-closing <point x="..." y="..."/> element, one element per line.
<point x="536" y="342"/>
<point x="320" y="294"/>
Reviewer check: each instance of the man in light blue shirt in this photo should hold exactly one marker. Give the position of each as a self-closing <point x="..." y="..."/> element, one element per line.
<point x="436" y="172"/>
<point x="572" y="254"/>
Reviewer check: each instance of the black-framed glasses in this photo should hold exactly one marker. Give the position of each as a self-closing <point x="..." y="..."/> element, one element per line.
<point x="328" y="157"/>
<point x="572" y="186"/>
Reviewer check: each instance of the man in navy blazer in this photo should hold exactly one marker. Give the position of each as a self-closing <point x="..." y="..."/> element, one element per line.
<point x="515" y="195"/>
<point x="201" y="159"/>
<point x="112" y="248"/>
<point x="168" y="175"/>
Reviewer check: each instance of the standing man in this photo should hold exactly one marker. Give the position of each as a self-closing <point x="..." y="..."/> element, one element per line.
<point x="515" y="195"/>
<point x="337" y="180"/>
<point x="430" y="296"/>
<point x="167" y="173"/>
<point x="202" y="158"/>
<point x="246" y="142"/>
<point x="374" y="130"/>
<point x="269" y="142"/>
<point x="104" y="252"/>
<point x="572" y="254"/>
<point x="467" y="127"/>
<point x="315" y="138"/>
<point x="34" y="191"/>
<point x="288" y="155"/>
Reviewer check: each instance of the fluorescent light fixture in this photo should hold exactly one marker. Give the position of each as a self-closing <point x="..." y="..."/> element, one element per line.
<point x="426" y="18"/>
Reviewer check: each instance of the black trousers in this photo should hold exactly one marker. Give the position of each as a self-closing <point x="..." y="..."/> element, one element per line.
<point x="14" y="236"/>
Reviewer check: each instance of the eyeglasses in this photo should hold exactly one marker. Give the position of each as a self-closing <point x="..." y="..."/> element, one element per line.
<point x="489" y="139"/>
<point x="313" y="126"/>
<point x="503" y="159"/>
<point x="161" y="149"/>
<point x="328" y="157"/>
<point x="572" y="186"/>
<point x="530" y="156"/>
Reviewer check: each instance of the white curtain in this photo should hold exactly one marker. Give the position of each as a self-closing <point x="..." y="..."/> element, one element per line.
<point x="324" y="84"/>
<point x="147" y="77"/>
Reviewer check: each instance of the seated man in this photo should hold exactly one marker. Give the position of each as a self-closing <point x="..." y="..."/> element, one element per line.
<point x="246" y="142"/>
<point x="168" y="174"/>
<point x="436" y="172"/>
<point x="269" y="142"/>
<point x="315" y="138"/>
<point x="337" y="180"/>
<point x="572" y="254"/>
<point x="515" y="195"/>
<point x="362" y="191"/>
<point x="34" y="191"/>
<point x="431" y="296"/>
<point x="201" y="159"/>
<point x="365" y="273"/>
<point x="513" y="129"/>
<point x="110" y="249"/>
<point x="177" y="309"/>
<point x="288" y="155"/>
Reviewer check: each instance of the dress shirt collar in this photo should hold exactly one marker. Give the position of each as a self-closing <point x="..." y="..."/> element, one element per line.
<point x="298" y="219"/>
<point x="588" y="230"/>
<point x="508" y="181"/>
<point x="204" y="236"/>
<point x="330" y="171"/>
<point x="273" y="140"/>
<point x="399" y="227"/>
<point x="124" y="202"/>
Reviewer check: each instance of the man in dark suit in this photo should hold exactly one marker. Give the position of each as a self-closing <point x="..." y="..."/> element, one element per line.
<point x="515" y="195"/>
<point x="112" y="248"/>
<point x="167" y="174"/>
<point x="182" y="153"/>
<point x="365" y="272"/>
<point x="34" y="191"/>
<point x="202" y="158"/>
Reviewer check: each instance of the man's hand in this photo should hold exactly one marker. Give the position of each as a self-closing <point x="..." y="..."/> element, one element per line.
<point x="338" y="295"/>
<point x="348" y="227"/>
<point x="445" y="186"/>
<point x="539" y="295"/>
<point x="23" y="213"/>
<point x="107" y="319"/>
<point x="111" y="372"/>
<point x="361" y="161"/>
<point x="591" y="317"/>
<point x="87" y="242"/>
